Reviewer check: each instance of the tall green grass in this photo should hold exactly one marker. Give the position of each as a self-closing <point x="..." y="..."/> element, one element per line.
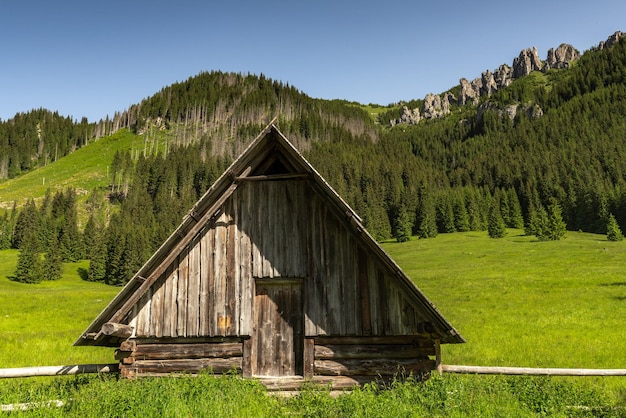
<point x="230" y="396"/>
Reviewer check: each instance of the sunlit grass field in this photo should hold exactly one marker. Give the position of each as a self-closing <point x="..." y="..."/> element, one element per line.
<point x="521" y="302"/>
<point x="39" y="323"/>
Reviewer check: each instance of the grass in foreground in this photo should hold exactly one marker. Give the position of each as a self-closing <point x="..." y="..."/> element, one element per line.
<point x="230" y="396"/>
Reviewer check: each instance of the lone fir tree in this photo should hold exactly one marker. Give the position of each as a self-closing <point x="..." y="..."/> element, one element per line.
<point x="613" y="231"/>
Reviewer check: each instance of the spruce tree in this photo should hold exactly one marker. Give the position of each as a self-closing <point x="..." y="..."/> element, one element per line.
<point x="613" y="231"/>
<point x="28" y="268"/>
<point x="5" y="232"/>
<point x="516" y="220"/>
<point x="426" y="218"/>
<point x="27" y="222"/>
<point x="556" y="225"/>
<point x="496" y="227"/>
<point x="401" y="224"/>
<point x="461" y="217"/>
<point x="52" y="267"/>
<point x="445" y="214"/>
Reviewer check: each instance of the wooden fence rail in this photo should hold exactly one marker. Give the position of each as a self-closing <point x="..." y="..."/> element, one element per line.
<point x="59" y="370"/>
<point x="443" y="368"/>
<point x="529" y="371"/>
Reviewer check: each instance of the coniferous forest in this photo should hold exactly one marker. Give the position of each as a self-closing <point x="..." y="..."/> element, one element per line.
<point x="563" y="168"/>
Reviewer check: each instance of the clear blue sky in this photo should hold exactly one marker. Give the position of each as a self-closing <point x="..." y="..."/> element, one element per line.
<point x="93" y="58"/>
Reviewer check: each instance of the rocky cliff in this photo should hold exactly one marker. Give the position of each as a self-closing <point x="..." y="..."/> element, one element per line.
<point x="436" y="106"/>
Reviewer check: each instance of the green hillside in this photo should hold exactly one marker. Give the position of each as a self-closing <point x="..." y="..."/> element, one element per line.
<point x="85" y="169"/>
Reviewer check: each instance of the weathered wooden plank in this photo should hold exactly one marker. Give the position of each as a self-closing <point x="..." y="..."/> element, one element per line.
<point x="246" y="364"/>
<point x="190" y="340"/>
<point x="352" y="311"/>
<point x="393" y="339"/>
<point x="205" y="268"/>
<point x="383" y="299"/>
<point x="372" y="279"/>
<point x="220" y="318"/>
<point x="187" y="351"/>
<point x="364" y="293"/>
<point x="530" y="371"/>
<point x="170" y="313"/>
<point x="245" y="262"/>
<point x="232" y="277"/>
<point x="132" y="319"/>
<point x="181" y="298"/>
<point x="345" y="351"/>
<point x="372" y="367"/>
<point x="211" y="313"/>
<point x="255" y="230"/>
<point x="58" y="370"/>
<point x="334" y="290"/>
<point x="193" y="289"/>
<point x="216" y="365"/>
<point x="156" y="307"/>
<point x="309" y="357"/>
<point x="143" y="317"/>
<point x="296" y="383"/>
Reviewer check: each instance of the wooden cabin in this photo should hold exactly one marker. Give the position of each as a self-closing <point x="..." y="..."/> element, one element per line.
<point x="273" y="275"/>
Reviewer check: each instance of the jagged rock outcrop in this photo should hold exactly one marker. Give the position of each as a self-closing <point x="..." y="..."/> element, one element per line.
<point x="470" y="91"/>
<point x="435" y="106"/>
<point x="488" y="84"/>
<point x="561" y="57"/>
<point x="611" y="40"/>
<point x="527" y="62"/>
<point x="532" y="111"/>
<point x="503" y="76"/>
<point x="408" y="117"/>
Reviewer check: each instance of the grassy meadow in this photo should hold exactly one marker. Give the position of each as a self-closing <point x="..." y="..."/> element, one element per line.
<point x="517" y="302"/>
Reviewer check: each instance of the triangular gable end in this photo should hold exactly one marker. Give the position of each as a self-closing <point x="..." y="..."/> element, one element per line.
<point x="271" y="158"/>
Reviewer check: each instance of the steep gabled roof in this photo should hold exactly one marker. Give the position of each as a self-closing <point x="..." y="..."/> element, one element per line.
<point x="270" y="154"/>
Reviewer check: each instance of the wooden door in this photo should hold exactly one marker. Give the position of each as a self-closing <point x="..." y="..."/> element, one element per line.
<point x="277" y="339"/>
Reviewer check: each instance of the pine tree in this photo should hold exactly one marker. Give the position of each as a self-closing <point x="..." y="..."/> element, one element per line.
<point x="52" y="267"/>
<point x="461" y="217"/>
<point x="426" y="218"/>
<point x="496" y="227"/>
<point x="5" y="232"/>
<point x="28" y="268"/>
<point x="27" y="222"/>
<point x="556" y="225"/>
<point x="97" y="262"/>
<point x="401" y="224"/>
<point x="516" y="220"/>
<point x="445" y="214"/>
<point x="613" y="231"/>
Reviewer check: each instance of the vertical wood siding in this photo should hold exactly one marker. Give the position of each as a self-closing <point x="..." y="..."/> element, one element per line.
<point x="273" y="229"/>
